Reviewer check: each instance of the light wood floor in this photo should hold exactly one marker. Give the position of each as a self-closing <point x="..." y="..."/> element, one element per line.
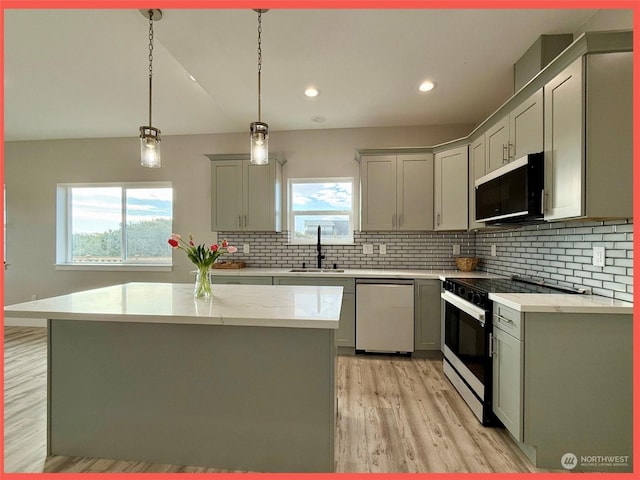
<point x="394" y="415"/>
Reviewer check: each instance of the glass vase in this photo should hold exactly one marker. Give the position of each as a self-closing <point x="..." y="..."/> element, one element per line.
<point x="202" y="287"/>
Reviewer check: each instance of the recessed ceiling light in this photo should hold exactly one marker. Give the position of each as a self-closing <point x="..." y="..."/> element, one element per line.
<point x="426" y="86"/>
<point x="311" y="92"/>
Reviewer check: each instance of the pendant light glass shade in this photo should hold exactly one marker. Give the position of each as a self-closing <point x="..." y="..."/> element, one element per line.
<point x="259" y="143"/>
<point x="150" y="147"/>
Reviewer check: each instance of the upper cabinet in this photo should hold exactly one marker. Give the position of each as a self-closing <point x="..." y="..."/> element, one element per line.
<point x="516" y="134"/>
<point x="245" y="197"/>
<point x="588" y="139"/>
<point x="477" y="169"/>
<point x="396" y="192"/>
<point x="451" y="189"/>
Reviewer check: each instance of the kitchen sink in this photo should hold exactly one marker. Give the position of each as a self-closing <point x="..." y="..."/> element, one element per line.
<point x="317" y="270"/>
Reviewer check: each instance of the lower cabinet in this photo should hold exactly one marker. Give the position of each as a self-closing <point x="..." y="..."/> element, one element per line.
<point x="241" y="280"/>
<point x="508" y="381"/>
<point x="346" y="335"/>
<point x="562" y="382"/>
<point x="427" y="315"/>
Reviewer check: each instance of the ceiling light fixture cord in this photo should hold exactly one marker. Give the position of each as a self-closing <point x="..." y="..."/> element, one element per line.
<point x="259" y="62"/>
<point x="150" y="61"/>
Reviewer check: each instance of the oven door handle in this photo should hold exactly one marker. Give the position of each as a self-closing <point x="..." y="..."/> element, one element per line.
<point x="467" y="307"/>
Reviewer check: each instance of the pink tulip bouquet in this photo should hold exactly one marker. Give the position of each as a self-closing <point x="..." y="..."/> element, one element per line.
<point x="203" y="257"/>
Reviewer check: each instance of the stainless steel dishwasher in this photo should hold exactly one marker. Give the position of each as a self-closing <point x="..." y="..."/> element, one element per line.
<point x="384" y="315"/>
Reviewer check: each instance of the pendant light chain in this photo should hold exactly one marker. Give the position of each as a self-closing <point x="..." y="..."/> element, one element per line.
<point x="150" y="60"/>
<point x="259" y="62"/>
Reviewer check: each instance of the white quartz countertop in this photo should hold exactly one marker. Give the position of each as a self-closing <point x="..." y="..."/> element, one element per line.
<point x="563" y="302"/>
<point x="351" y="273"/>
<point x="244" y="305"/>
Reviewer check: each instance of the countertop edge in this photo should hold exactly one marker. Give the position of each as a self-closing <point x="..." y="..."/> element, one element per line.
<point x="352" y="273"/>
<point x="561" y="303"/>
<point x="62" y="308"/>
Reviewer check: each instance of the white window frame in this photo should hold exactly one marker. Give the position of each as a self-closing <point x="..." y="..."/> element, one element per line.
<point x="291" y="215"/>
<point x="64" y="234"/>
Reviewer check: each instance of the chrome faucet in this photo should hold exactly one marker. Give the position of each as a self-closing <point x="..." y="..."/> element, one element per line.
<point x="319" y="249"/>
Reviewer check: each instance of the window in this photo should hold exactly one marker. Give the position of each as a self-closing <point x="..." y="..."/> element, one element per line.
<point x="326" y="203"/>
<point x="114" y="224"/>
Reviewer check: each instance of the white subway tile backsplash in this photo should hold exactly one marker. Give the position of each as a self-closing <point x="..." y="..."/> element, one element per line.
<point x="559" y="252"/>
<point x="531" y="253"/>
<point x="410" y="250"/>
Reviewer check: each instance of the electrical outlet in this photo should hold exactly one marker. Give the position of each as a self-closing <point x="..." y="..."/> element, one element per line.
<point x="456" y="249"/>
<point x="598" y="256"/>
<point x="493" y="251"/>
<point x="383" y="249"/>
<point x="367" y="249"/>
<point x="245" y="248"/>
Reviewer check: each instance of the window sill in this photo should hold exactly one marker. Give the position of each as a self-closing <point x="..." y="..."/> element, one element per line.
<point x="116" y="267"/>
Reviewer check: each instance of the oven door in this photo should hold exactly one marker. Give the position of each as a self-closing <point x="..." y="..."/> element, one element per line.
<point x="466" y="341"/>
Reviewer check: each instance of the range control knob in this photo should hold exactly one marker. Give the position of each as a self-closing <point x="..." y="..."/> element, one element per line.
<point x="461" y="291"/>
<point x="448" y="285"/>
<point x="476" y="299"/>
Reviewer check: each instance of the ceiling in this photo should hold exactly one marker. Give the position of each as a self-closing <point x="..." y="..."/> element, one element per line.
<point x="84" y="73"/>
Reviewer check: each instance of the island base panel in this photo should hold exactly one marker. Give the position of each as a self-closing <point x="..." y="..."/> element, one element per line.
<point x="229" y="397"/>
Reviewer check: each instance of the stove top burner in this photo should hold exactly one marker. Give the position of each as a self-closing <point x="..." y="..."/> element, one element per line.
<point x="511" y="285"/>
<point x="477" y="290"/>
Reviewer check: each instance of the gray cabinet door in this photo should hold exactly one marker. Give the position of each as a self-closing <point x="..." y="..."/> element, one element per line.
<point x="477" y="168"/>
<point x="564" y="144"/>
<point x="526" y="127"/>
<point x="427" y="315"/>
<point x="245" y="197"/>
<point x="378" y="185"/>
<point x="226" y="195"/>
<point x="507" y="382"/>
<point x="497" y="138"/>
<point x="258" y="196"/>
<point x="414" y="198"/>
<point x="451" y="189"/>
<point x="346" y="335"/>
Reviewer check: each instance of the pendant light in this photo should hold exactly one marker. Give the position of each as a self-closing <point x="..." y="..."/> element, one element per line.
<point x="259" y="129"/>
<point x="150" y="136"/>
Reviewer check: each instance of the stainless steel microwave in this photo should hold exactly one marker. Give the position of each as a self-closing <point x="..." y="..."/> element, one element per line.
<point x="512" y="193"/>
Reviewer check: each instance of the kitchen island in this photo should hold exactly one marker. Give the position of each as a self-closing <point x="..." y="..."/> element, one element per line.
<point x="143" y="371"/>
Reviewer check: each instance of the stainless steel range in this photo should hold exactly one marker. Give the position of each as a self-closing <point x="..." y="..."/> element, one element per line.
<point x="468" y="333"/>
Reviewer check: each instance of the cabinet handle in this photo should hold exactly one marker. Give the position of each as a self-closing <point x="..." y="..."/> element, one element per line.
<point x="511" y="155"/>
<point x="239" y="221"/>
<point x="438" y="219"/>
<point x="493" y="351"/>
<point x="504" y="153"/>
<point x="245" y="220"/>
<point x="543" y="201"/>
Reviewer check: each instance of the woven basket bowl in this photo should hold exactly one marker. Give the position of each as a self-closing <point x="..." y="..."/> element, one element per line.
<point x="466" y="264"/>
